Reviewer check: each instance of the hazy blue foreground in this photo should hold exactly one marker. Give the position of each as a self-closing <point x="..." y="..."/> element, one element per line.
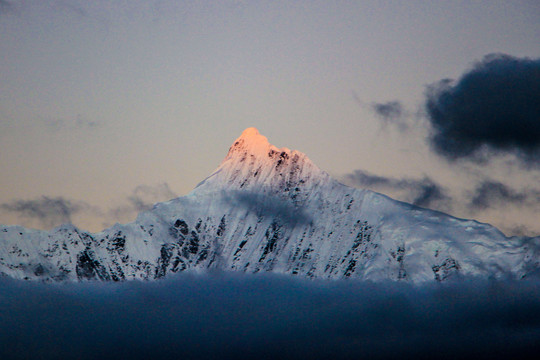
<point x="268" y="317"/>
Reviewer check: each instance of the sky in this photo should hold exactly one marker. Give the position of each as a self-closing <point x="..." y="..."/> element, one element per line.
<point x="109" y="106"/>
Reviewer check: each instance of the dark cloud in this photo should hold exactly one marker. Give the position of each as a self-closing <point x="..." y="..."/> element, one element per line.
<point x="49" y="211"/>
<point x="421" y="192"/>
<point x="142" y="198"/>
<point x="490" y="193"/>
<point x="494" y="107"/>
<point x="269" y="317"/>
<point x="267" y="205"/>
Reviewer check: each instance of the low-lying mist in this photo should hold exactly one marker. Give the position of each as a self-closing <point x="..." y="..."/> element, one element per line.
<point x="265" y="316"/>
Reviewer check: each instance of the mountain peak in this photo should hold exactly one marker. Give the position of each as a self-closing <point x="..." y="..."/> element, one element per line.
<point x="270" y="209"/>
<point x="250" y="132"/>
<point x="253" y="162"/>
<point x="250" y="142"/>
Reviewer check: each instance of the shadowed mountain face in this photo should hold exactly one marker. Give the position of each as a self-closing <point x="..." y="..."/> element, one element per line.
<point x="270" y="209"/>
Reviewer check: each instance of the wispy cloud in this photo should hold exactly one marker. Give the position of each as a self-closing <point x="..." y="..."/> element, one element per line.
<point x="267" y="205"/>
<point x="142" y="198"/>
<point x="48" y="211"/>
<point x="423" y="192"/>
<point x="79" y="122"/>
<point x="487" y="194"/>
<point x="390" y="113"/>
<point x="490" y="193"/>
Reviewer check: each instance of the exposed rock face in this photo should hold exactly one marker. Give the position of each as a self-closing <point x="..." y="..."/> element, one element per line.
<point x="270" y="209"/>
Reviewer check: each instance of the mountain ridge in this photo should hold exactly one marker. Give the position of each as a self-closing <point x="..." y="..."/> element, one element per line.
<point x="271" y="209"/>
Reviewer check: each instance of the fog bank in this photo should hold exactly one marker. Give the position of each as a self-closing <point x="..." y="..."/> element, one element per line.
<point x="220" y="316"/>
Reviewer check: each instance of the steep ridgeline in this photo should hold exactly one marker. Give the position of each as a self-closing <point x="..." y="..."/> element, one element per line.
<point x="270" y="209"/>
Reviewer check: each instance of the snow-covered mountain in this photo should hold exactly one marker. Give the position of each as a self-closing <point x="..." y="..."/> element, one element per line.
<point x="270" y="209"/>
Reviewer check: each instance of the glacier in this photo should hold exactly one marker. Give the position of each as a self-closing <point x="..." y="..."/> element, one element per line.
<point x="269" y="209"/>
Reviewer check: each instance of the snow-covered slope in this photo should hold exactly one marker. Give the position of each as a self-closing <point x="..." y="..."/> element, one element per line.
<point x="270" y="209"/>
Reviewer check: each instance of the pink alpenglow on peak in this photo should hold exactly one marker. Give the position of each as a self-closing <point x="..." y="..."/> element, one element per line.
<point x="252" y="142"/>
<point x="252" y="162"/>
<point x="251" y="132"/>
